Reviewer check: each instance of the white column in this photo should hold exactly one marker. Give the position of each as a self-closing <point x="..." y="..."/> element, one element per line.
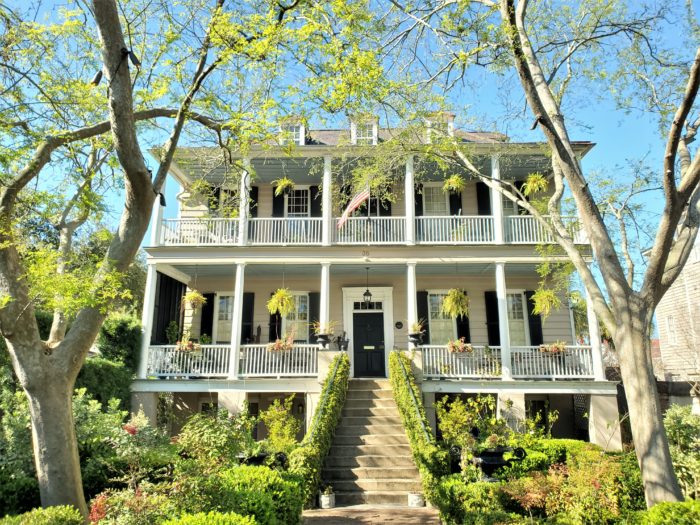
<point x="149" y="299"/>
<point x="157" y="218"/>
<point x="411" y="307"/>
<point x="244" y="205"/>
<point x="236" y="321"/>
<point x="409" y="198"/>
<point x="325" y="300"/>
<point x="596" y="347"/>
<point x="326" y="203"/>
<point x="507" y="373"/>
<point x="496" y="202"/>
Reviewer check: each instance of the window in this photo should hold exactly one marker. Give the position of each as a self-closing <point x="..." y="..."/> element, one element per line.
<point x="442" y="327"/>
<point x="517" y="319"/>
<point x="671" y="330"/>
<point x="291" y="134"/>
<point x="298" y="321"/>
<point x="298" y="203"/>
<point x="364" y="133"/>
<point x="372" y="305"/>
<point x="509" y="207"/>
<point x="224" y="318"/>
<point x="435" y="201"/>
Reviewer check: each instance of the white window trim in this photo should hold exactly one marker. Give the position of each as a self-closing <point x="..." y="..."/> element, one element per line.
<point x="299" y="293"/>
<point x="446" y="196"/>
<point x="353" y="132"/>
<point x="430" y="320"/>
<point x="215" y="324"/>
<point x="306" y="187"/>
<point x="526" y="316"/>
<point x="284" y="140"/>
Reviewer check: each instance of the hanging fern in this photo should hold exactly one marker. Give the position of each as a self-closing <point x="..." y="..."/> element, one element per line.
<point x="454" y="184"/>
<point x="283" y="185"/>
<point x="194" y="299"/>
<point x="455" y="304"/>
<point x="282" y="301"/>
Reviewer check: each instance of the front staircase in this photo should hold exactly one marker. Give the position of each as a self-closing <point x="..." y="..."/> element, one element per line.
<point x="370" y="460"/>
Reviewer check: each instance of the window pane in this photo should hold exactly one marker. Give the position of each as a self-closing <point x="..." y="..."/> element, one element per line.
<point x="434" y="201"/>
<point x="298" y="203"/>
<point x="364" y="133"/>
<point x="291" y="133"/>
<point x="516" y="319"/>
<point x="442" y="327"/>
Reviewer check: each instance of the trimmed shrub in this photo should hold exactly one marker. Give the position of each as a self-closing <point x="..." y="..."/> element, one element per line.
<point x="47" y="516"/>
<point x="120" y="339"/>
<point x="632" y="493"/>
<point x="306" y="461"/>
<point x="534" y="461"/>
<point x="681" y="513"/>
<point x="468" y="503"/>
<point x="146" y="505"/>
<point x="212" y="518"/>
<point x="105" y="380"/>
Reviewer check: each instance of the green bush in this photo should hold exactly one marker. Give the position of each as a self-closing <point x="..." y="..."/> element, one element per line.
<point x="632" y="490"/>
<point x="306" y="461"/>
<point x="683" y="429"/>
<point x="147" y="505"/>
<point x="282" y="426"/>
<point x="682" y="513"/>
<point x="120" y="339"/>
<point x="212" y="518"/>
<point x="534" y="461"/>
<point x="105" y="379"/>
<point x="47" y="516"/>
<point x="471" y="503"/>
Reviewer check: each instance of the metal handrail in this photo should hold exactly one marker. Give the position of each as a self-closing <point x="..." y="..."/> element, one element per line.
<point x="321" y="402"/>
<point x="415" y="401"/>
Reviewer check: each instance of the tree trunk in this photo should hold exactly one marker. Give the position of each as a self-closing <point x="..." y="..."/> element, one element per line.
<point x="55" y="445"/>
<point x="650" y="441"/>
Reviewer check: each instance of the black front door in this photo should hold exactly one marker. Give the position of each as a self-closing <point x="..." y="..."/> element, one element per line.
<point x="368" y="344"/>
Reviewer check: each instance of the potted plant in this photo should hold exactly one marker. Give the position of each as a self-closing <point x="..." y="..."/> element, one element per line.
<point x="323" y="332"/>
<point x="285" y="344"/>
<point x="416" y="499"/>
<point x="555" y="348"/>
<point x="283" y="185"/>
<point x="185" y="344"/>
<point x="194" y="299"/>
<point x="282" y="301"/>
<point x="327" y="497"/>
<point x="172" y="332"/>
<point x="459" y="347"/>
<point x="455" y="304"/>
<point x="454" y="184"/>
<point x="343" y="342"/>
<point x="416" y="331"/>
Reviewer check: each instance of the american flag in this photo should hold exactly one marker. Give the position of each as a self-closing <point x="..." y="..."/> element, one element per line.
<point x="355" y="203"/>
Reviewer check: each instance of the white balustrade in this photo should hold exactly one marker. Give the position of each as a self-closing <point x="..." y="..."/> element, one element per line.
<point x="530" y="362"/>
<point x="525" y="229"/>
<point x="168" y="361"/>
<point x="258" y="361"/>
<point x="372" y="230"/>
<point x="200" y="231"/>
<point x="482" y="362"/>
<point x="287" y="230"/>
<point x="455" y="229"/>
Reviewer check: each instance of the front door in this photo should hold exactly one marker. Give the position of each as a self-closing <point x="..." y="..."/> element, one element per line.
<point x="368" y="344"/>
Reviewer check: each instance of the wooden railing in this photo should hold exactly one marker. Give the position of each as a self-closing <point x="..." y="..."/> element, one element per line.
<point x="168" y="361"/>
<point x="204" y="231"/>
<point x="258" y="361"/>
<point x="372" y="230"/>
<point x="525" y="229"/>
<point x="482" y="362"/>
<point x="456" y="229"/>
<point x="289" y="230"/>
<point x="529" y="362"/>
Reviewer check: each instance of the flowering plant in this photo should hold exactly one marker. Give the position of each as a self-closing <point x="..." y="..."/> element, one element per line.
<point x="282" y="345"/>
<point x="187" y="345"/>
<point x="459" y="346"/>
<point x="556" y="347"/>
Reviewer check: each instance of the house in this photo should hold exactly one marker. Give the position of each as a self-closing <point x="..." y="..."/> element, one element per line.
<point x="390" y="265"/>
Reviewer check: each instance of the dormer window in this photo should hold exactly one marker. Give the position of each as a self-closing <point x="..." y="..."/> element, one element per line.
<point x="440" y="125"/>
<point x="292" y="133"/>
<point x="364" y="132"/>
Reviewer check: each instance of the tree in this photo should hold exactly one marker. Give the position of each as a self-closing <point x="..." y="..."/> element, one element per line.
<point x="550" y="46"/>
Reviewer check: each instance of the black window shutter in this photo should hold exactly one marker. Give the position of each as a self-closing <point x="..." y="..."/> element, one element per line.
<point x="275" y="327"/>
<point x="315" y="202"/>
<point x="277" y="204"/>
<point x="423" y="314"/>
<point x="419" y="201"/>
<point x="314" y="313"/>
<point x="483" y="199"/>
<point x="534" y="320"/>
<point x="253" y="201"/>
<point x="455" y="203"/>
<point x="463" y="328"/>
<point x="247" y="318"/>
<point x="206" y="325"/>
<point x="492" y="328"/>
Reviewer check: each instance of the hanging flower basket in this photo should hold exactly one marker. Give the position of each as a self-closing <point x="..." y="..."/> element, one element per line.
<point x="282" y="302"/>
<point x="454" y="184"/>
<point x="455" y="303"/>
<point x="283" y="186"/>
<point x="194" y="299"/>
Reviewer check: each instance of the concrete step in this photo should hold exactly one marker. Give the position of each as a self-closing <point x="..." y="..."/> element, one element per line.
<point x="371" y="498"/>
<point x="377" y="485"/>
<point x="351" y="421"/>
<point x="369" y="461"/>
<point x="370" y="394"/>
<point x="370" y="411"/>
<point x="369" y="384"/>
<point x="362" y="430"/>
<point x="370" y="450"/>
<point x="372" y="439"/>
<point x="376" y="473"/>
<point x="370" y="403"/>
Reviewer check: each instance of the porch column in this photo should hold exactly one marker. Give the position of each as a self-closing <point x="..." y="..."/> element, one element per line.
<point x="412" y="311"/>
<point x="244" y="205"/>
<point x="157" y="217"/>
<point x="326" y="203"/>
<point x="497" y="203"/>
<point x="236" y="321"/>
<point x="409" y="197"/>
<point x="149" y="298"/>
<point x="596" y="347"/>
<point x="507" y="373"/>
<point x="325" y="300"/>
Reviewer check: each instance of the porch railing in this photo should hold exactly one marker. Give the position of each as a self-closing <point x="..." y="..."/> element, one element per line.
<point x="300" y="361"/>
<point x="288" y="230"/>
<point x="525" y="229"/>
<point x="529" y="362"/>
<point x="483" y="362"/>
<point x="458" y="229"/>
<point x="372" y="230"/>
<point x="168" y="361"/>
<point x="200" y="231"/>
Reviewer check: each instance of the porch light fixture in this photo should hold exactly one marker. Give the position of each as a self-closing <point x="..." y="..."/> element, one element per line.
<point x="367" y="296"/>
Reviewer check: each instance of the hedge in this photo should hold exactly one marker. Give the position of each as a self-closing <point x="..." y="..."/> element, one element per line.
<point x="47" y="516"/>
<point x="212" y="518"/>
<point x="105" y="379"/>
<point x="307" y="460"/>
<point x="431" y="460"/>
<point x="681" y="513"/>
<point x="120" y="339"/>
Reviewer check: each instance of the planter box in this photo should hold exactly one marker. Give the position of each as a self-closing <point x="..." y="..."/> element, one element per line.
<point x="327" y="501"/>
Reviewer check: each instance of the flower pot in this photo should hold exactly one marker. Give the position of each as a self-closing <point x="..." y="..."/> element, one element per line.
<point x="327" y="501"/>
<point x="343" y="345"/>
<point x="323" y="339"/>
<point x="416" y="499"/>
<point x="416" y="338"/>
<point x="491" y="459"/>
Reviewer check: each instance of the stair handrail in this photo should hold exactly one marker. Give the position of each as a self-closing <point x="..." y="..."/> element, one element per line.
<point x="416" y="407"/>
<point x="321" y="402"/>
